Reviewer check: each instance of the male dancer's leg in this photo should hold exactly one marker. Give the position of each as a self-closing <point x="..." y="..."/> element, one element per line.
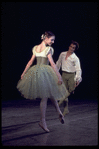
<point x="65" y="80"/>
<point x="71" y="88"/>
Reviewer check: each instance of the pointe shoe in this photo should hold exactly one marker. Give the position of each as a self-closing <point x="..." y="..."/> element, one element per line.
<point x="61" y="118"/>
<point x="45" y="129"/>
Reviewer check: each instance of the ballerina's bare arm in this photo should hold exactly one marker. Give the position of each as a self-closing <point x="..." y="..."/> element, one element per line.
<point x="28" y="65"/>
<point x="54" y="67"/>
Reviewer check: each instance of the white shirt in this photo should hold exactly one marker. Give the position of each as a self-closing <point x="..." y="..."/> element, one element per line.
<point x="72" y="64"/>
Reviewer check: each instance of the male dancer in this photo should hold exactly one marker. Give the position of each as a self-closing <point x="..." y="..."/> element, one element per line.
<point x="71" y="71"/>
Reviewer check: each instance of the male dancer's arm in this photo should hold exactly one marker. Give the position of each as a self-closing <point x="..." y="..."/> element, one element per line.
<point x="59" y="62"/>
<point x="78" y="75"/>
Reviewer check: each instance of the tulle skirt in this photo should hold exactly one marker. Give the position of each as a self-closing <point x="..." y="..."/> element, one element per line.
<point x="41" y="81"/>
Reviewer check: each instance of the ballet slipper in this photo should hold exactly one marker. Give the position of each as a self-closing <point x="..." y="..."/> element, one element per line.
<point x="45" y="129"/>
<point x="61" y="118"/>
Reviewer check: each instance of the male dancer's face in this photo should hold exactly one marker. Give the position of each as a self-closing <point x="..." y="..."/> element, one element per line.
<point x="72" y="48"/>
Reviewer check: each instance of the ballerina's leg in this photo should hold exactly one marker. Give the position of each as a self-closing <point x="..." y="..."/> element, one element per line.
<point x="61" y="117"/>
<point x="43" y="106"/>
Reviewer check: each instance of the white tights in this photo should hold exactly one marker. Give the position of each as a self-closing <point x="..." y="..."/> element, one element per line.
<point x="43" y="106"/>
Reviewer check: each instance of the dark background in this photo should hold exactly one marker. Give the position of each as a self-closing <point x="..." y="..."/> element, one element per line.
<point x="23" y="23"/>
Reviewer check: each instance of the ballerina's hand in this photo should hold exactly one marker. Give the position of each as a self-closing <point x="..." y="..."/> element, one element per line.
<point x="22" y="76"/>
<point x="60" y="81"/>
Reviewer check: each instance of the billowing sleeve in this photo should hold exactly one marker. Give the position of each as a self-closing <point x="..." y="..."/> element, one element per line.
<point x="33" y="50"/>
<point x="59" y="62"/>
<point x="78" y="76"/>
<point x="48" y="50"/>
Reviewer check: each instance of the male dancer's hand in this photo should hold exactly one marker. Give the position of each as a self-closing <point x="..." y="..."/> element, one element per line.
<point x="77" y="83"/>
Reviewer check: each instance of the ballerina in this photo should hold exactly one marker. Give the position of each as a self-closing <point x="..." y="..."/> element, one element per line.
<point x="42" y="80"/>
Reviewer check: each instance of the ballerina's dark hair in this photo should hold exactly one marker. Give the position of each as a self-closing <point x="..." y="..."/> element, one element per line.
<point x="47" y="34"/>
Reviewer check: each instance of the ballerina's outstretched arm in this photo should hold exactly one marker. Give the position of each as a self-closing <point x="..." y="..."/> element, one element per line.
<point x="28" y="65"/>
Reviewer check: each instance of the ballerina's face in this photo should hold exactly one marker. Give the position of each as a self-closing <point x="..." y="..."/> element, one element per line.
<point x="50" y="40"/>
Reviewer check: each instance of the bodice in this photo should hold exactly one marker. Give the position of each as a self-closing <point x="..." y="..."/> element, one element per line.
<point x="41" y="57"/>
<point x="42" y="60"/>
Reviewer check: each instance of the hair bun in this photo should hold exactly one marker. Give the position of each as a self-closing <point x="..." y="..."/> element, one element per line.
<point x="47" y="34"/>
<point x="43" y="36"/>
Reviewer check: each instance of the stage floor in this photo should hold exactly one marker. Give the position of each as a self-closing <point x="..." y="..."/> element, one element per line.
<point x="20" y="124"/>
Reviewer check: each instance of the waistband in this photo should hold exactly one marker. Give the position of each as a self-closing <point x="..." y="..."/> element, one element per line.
<point x="68" y="72"/>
